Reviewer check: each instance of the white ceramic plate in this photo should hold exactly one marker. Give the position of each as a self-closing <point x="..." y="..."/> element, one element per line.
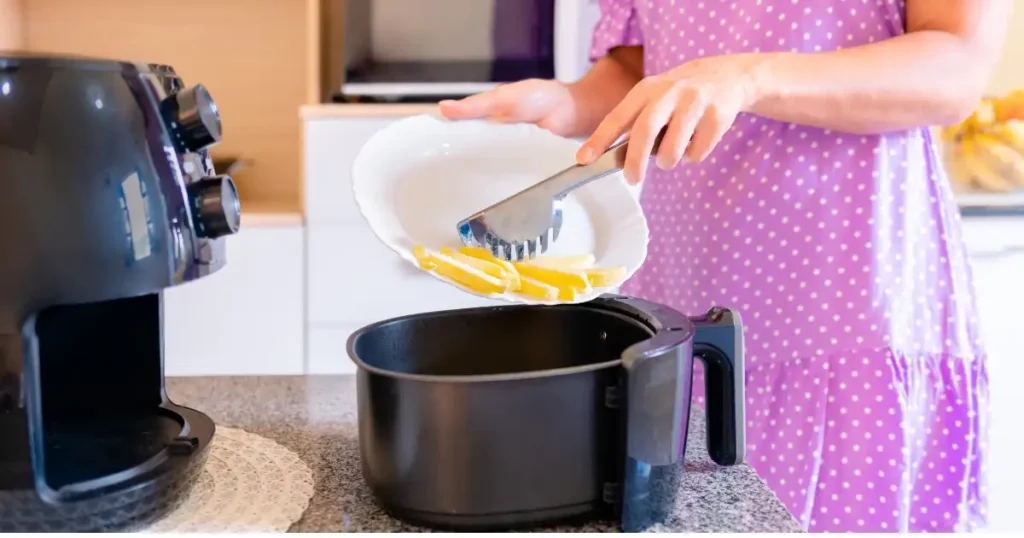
<point x="417" y="178"/>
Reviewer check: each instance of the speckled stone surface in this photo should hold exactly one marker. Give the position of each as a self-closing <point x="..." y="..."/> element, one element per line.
<point x="316" y="418"/>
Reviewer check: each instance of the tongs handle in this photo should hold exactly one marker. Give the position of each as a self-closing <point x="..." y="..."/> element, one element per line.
<point x="576" y="176"/>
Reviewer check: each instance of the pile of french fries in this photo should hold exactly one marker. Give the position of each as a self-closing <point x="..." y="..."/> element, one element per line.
<point x="544" y="278"/>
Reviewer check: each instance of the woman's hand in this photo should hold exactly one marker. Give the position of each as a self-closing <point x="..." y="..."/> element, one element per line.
<point x="569" y="110"/>
<point x="549" y="104"/>
<point x="694" y="103"/>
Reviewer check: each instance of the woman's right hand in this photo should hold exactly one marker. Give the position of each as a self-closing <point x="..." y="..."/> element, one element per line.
<point x="549" y="104"/>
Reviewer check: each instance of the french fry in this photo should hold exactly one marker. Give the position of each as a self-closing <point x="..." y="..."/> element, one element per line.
<point x="546" y="278"/>
<point x="484" y="254"/>
<point x="466" y="275"/>
<point x="537" y="290"/>
<point x="554" y="276"/>
<point x="605" y="277"/>
<point x="487" y="266"/>
<point x="423" y="257"/>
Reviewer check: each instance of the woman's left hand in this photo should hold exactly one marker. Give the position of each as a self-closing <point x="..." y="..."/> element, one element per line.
<point x="694" y="103"/>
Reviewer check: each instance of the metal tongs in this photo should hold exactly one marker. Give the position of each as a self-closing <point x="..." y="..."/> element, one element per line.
<point x="528" y="222"/>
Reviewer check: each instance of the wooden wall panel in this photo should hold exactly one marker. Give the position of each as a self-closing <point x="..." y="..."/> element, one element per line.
<point x="330" y="47"/>
<point x="251" y="54"/>
<point x="10" y="24"/>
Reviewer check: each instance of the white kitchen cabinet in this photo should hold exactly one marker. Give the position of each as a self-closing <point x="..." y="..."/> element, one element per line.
<point x="331" y="146"/>
<point x="1000" y="294"/>
<point x="354" y="278"/>
<point x="247" y="318"/>
<point x="997" y="252"/>
<point x="996" y="247"/>
<point x="326" y="348"/>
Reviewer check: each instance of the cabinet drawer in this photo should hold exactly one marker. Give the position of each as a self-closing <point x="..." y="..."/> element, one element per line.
<point x="331" y="146"/>
<point x="353" y="277"/>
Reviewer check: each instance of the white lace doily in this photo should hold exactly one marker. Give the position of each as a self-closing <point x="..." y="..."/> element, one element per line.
<point x="249" y="484"/>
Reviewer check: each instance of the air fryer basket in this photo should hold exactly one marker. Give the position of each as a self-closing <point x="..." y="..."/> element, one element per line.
<point x="515" y="416"/>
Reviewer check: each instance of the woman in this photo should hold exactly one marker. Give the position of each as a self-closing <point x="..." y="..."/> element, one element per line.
<point x="797" y="182"/>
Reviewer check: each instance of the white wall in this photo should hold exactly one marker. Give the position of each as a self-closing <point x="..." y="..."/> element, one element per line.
<point x="1009" y="74"/>
<point x="432" y="29"/>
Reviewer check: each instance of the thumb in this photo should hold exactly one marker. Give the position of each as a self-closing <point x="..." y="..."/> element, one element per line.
<point x="476" y="106"/>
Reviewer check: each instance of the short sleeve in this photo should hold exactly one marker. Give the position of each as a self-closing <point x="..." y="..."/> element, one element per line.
<point x="617" y="27"/>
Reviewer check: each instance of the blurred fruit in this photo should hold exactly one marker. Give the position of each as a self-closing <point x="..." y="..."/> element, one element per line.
<point x="973" y="167"/>
<point x="1010" y="133"/>
<point x="984" y="115"/>
<point x="985" y="152"/>
<point x="951" y="132"/>
<point x="1001" y="158"/>
<point x="1010" y="107"/>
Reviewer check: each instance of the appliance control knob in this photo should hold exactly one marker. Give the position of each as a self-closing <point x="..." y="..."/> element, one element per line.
<point x="194" y="118"/>
<point x="216" y="210"/>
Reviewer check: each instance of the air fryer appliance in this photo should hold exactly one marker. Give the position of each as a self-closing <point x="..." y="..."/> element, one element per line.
<point x="107" y="197"/>
<point x="492" y="418"/>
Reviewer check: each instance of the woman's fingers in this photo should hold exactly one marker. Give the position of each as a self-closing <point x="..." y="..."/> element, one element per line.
<point x="642" y="136"/>
<point x="481" y="105"/>
<point x="617" y="122"/>
<point x="710" y="130"/>
<point x="680" y="129"/>
<point x="692" y="127"/>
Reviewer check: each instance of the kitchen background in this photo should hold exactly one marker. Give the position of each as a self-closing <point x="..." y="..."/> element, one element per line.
<point x="305" y="271"/>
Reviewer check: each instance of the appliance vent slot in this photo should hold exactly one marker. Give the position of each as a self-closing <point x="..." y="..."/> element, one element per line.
<point x="613" y="397"/>
<point x="612" y="493"/>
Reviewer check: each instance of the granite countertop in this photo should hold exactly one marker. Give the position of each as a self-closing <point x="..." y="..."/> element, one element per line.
<point x="316" y="418"/>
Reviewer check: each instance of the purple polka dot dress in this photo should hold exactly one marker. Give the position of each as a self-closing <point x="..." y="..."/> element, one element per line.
<point x="866" y="383"/>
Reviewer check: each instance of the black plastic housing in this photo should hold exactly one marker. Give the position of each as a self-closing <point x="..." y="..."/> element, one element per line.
<point x="95" y="222"/>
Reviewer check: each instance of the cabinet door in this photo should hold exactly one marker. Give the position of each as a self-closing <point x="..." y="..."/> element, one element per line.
<point x="1000" y="294"/>
<point x="326" y="349"/>
<point x="247" y="318"/>
<point x="354" y="279"/>
<point x="331" y="147"/>
<point x="997" y="252"/>
<point x="996" y="248"/>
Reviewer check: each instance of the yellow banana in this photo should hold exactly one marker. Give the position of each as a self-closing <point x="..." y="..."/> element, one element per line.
<point x="950" y="133"/>
<point x="959" y="176"/>
<point x="1004" y="160"/>
<point x="1010" y="133"/>
<point x="979" y="170"/>
<point x="1010" y="107"/>
<point x="985" y="114"/>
